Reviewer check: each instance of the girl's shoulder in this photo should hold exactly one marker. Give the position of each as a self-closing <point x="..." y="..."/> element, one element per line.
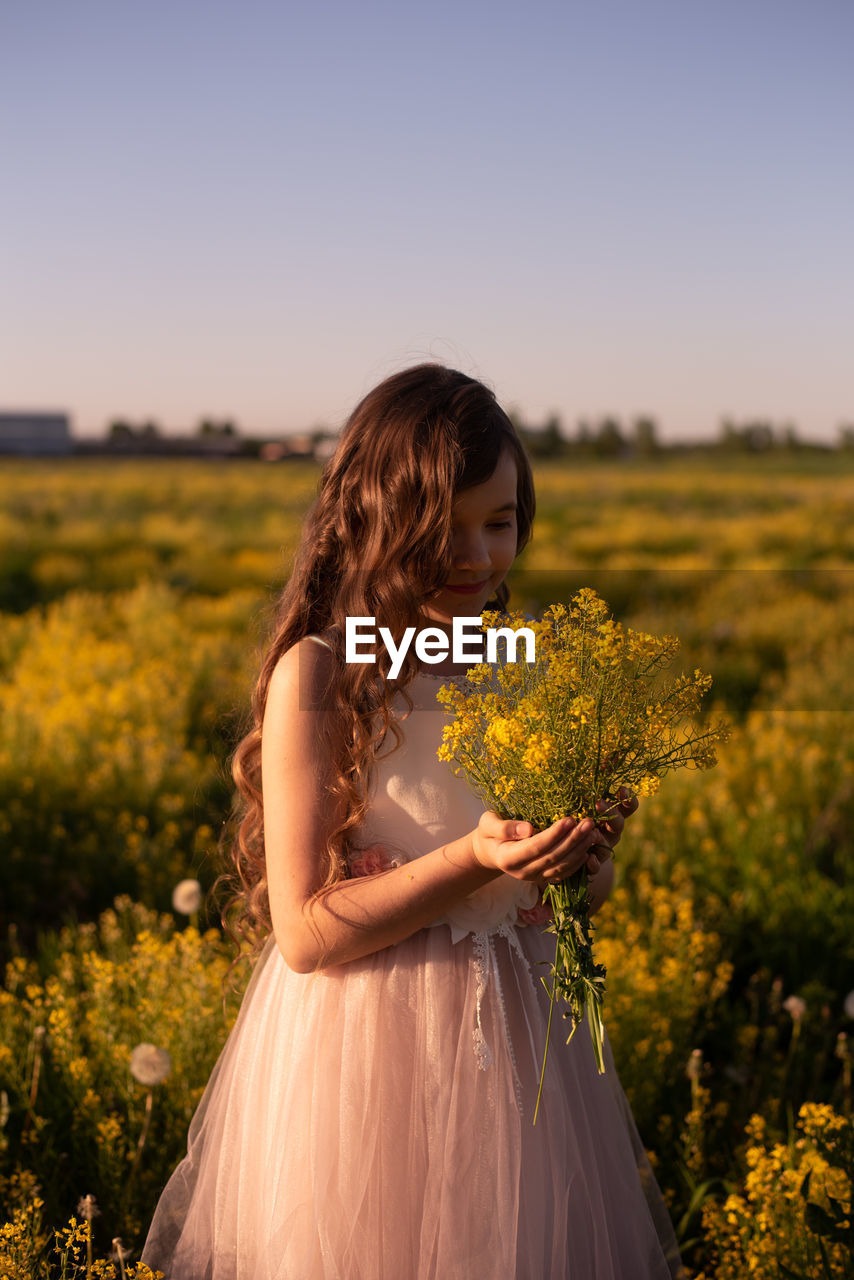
<point x="303" y="672"/>
<point x="332" y="637"/>
<point x="312" y="645"/>
<point x="312" y="642"/>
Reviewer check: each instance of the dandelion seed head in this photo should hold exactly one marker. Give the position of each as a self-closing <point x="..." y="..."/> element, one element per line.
<point x="87" y="1207"/>
<point x="150" y="1065"/>
<point x="796" y="1007"/>
<point x="695" y="1065"/>
<point x="187" y="897"/>
<point x="849" y="1005"/>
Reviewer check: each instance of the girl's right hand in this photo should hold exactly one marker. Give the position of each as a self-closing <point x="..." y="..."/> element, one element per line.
<point x="546" y="857"/>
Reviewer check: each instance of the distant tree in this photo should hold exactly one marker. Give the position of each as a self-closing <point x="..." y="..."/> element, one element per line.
<point x="789" y="436"/>
<point x="846" y="435"/>
<point x="749" y="437"/>
<point x="149" y="430"/>
<point x="645" y="432"/>
<point x="729" y="437"/>
<point x="759" y="436"/>
<point x="120" y="430"/>
<point x="548" y="441"/>
<point x="584" y="436"/>
<point x="210" y="427"/>
<point x="609" y="440"/>
<point x="553" y="441"/>
<point x="540" y="442"/>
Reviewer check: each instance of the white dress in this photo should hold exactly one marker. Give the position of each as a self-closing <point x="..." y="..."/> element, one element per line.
<point x="374" y="1121"/>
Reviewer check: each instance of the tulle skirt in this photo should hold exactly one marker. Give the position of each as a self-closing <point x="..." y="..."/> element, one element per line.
<point x="374" y="1122"/>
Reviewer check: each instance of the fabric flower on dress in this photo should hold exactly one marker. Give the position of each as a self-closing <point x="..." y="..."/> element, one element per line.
<point x="371" y="861"/>
<point x="535" y="915"/>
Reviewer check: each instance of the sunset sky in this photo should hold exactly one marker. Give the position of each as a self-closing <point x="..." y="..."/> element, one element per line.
<point x="256" y="210"/>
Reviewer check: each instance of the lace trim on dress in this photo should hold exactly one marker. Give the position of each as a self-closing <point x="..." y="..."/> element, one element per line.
<point x="483" y="954"/>
<point x="457" y="677"/>
<point x="486" y="963"/>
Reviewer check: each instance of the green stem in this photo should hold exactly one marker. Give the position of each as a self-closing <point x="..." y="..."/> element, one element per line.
<point x="548" y="1033"/>
<point x="149" y="1104"/>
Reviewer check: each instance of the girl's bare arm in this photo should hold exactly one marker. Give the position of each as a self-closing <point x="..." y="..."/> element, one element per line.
<point x="360" y="916"/>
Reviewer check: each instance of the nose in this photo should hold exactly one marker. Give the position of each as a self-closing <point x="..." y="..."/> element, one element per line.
<point x="470" y="551"/>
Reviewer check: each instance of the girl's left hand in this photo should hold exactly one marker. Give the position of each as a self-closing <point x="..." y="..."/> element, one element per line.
<point x="614" y="814"/>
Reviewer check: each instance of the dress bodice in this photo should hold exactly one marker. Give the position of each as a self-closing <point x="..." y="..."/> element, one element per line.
<point x="417" y="803"/>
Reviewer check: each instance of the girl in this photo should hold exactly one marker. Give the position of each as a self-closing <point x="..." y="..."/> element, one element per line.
<point x="370" y="1117"/>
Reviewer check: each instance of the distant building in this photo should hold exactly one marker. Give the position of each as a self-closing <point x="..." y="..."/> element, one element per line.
<point x="324" y="448"/>
<point x="35" y="434"/>
<point x="295" y="446"/>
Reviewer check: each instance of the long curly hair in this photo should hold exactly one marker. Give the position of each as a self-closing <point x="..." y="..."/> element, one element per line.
<point x="376" y="541"/>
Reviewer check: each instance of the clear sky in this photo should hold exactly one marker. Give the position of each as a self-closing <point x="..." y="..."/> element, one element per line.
<point x="257" y="209"/>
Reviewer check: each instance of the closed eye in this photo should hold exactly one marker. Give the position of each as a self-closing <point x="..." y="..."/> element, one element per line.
<point x="501" y="525"/>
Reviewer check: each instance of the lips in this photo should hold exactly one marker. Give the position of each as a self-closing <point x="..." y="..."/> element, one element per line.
<point x="467" y="588"/>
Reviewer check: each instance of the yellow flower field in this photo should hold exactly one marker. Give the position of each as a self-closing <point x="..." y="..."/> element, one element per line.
<point x="134" y="596"/>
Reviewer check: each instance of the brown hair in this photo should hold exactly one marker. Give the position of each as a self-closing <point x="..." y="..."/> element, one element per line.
<point x="376" y="540"/>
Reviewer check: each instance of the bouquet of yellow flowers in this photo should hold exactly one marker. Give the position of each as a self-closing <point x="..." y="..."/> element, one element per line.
<point x="544" y="740"/>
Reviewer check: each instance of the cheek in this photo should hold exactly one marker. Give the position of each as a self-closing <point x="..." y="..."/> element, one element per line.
<point x="506" y="553"/>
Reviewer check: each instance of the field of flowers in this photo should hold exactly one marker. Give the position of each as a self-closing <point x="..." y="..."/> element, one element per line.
<point x="134" y="598"/>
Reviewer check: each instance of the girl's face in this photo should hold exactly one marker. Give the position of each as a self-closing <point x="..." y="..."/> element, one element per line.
<point x="483" y="545"/>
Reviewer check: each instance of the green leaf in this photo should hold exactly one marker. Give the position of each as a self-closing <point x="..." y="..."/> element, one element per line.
<point x="819" y="1222"/>
<point x="837" y="1210"/>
